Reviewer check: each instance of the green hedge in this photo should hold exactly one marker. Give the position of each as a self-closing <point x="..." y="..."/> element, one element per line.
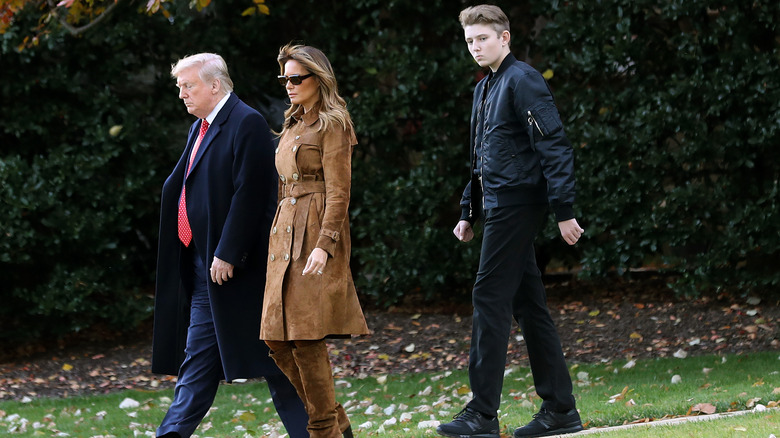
<point x="78" y="198"/>
<point x="676" y="109"/>
<point x="673" y="110"/>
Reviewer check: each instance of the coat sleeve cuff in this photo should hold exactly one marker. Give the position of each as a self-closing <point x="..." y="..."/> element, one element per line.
<point x="467" y="215"/>
<point x="327" y="241"/>
<point x="563" y="212"/>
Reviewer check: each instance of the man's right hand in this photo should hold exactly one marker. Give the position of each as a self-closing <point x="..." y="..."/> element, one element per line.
<point x="463" y="231"/>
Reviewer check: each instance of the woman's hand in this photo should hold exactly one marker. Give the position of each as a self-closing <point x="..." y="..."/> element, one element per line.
<point x="316" y="262"/>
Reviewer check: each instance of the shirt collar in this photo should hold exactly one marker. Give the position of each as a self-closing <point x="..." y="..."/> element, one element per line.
<point x="213" y="115"/>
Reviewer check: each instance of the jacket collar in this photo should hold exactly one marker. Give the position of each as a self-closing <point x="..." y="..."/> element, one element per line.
<point x="309" y="117"/>
<point x="509" y="59"/>
<point x="224" y="112"/>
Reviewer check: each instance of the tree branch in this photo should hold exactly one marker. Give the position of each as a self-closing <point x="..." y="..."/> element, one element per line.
<point x="74" y="30"/>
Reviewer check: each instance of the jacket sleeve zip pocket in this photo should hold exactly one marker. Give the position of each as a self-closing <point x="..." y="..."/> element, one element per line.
<point x="532" y="121"/>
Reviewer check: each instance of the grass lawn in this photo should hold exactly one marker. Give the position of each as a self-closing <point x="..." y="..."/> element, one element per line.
<point x="608" y="394"/>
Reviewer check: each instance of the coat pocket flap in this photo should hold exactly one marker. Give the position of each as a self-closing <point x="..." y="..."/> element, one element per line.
<point x="312" y="138"/>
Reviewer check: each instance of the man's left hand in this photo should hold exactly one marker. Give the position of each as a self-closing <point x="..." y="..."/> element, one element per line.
<point x="221" y="271"/>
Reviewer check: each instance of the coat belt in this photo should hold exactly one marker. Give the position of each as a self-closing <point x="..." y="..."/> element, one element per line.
<point x="298" y="190"/>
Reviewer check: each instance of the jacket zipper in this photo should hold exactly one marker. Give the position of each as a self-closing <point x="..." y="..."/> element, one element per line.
<point x="532" y="120"/>
<point x="484" y="130"/>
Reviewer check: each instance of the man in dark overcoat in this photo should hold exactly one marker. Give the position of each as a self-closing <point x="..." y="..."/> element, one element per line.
<point x="216" y="212"/>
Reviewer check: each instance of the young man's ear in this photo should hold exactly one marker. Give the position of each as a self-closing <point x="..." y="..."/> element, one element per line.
<point x="505" y="37"/>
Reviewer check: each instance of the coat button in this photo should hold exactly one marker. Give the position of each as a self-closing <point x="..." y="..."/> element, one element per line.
<point x="293" y="201"/>
<point x="273" y="257"/>
<point x="295" y="176"/>
<point x="289" y="228"/>
<point x="286" y="257"/>
<point x="274" y="230"/>
<point x="281" y="177"/>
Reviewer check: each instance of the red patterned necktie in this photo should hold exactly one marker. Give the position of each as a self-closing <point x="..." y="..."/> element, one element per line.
<point x="185" y="232"/>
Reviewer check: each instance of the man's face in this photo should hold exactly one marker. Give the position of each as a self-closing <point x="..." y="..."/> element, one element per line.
<point x="199" y="97"/>
<point x="486" y="45"/>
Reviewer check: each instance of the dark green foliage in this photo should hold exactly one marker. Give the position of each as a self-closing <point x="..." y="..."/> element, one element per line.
<point x="676" y="109"/>
<point x="673" y="109"/>
<point x="78" y="203"/>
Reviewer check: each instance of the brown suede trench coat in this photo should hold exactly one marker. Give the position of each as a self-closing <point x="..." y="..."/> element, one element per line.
<point x="314" y="188"/>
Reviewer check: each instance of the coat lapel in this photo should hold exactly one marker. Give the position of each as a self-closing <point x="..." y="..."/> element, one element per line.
<point x="213" y="130"/>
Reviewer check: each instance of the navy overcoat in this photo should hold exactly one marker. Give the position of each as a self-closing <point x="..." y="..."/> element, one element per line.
<point x="231" y="200"/>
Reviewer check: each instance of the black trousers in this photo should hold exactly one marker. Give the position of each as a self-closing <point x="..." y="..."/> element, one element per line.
<point x="508" y="285"/>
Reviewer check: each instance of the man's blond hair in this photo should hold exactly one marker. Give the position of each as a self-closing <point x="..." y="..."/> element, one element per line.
<point x="490" y="15"/>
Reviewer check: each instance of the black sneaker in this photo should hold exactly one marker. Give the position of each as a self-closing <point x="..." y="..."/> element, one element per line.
<point x="546" y="423"/>
<point x="469" y="423"/>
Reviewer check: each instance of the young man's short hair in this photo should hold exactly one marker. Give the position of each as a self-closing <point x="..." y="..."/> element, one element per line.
<point x="490" y="15"/>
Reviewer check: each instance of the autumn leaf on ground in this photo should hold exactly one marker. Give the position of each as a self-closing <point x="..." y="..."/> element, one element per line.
<point x="704" y="408"/>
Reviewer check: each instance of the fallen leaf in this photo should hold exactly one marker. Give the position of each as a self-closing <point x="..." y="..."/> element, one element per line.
<point x="752" y="402"/>
<point x="704" y="408"/>
<point x="247" y="417"/>
<point x="129" y="403"/>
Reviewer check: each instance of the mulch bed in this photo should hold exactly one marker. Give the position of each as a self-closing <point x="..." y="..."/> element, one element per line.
<point x="618" y="320"/>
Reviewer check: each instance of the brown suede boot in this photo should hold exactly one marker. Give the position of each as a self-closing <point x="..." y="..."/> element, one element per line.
<point x="317" y="378"/>
<point x="284" y="359"/>
<point x="343" y="420"/>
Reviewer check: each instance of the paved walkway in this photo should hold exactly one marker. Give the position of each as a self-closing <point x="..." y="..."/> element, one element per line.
<point x="670" y="421"/>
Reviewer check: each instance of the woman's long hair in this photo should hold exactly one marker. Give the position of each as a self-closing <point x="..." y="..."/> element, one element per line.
<point x="332" y="107"/>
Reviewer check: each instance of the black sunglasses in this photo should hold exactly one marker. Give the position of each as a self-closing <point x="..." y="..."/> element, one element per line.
<point x="294" y="79"/>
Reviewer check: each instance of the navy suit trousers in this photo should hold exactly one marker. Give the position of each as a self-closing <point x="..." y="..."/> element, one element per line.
<point x="201" y="372"/>
<point x="509" y="285"/>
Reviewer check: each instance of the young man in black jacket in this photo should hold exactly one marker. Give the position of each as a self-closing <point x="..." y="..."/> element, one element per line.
<point x="522" y="163"/>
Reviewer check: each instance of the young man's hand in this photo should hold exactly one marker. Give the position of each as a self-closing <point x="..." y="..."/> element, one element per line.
<point x="463" y="231"/>
<point x="570" y="231"/>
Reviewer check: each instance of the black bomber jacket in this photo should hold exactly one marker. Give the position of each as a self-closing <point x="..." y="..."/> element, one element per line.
<point x="525" y="155"/>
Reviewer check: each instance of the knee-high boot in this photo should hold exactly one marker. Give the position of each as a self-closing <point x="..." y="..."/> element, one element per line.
<point x="283" y="356"/>
<point x="286" y="362"/>
<point x="317" y="379"/>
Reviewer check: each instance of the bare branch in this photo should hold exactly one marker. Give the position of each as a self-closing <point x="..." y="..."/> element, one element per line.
<point x="74" y="30"/>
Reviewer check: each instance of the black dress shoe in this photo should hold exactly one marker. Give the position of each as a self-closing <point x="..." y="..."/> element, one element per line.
<point x="546" y="423"/>
<point x="170" y="435"/>
<point x="470" y="424"/>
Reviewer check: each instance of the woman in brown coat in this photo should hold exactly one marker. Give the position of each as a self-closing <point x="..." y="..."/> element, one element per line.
<point x="309" y="293"/>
